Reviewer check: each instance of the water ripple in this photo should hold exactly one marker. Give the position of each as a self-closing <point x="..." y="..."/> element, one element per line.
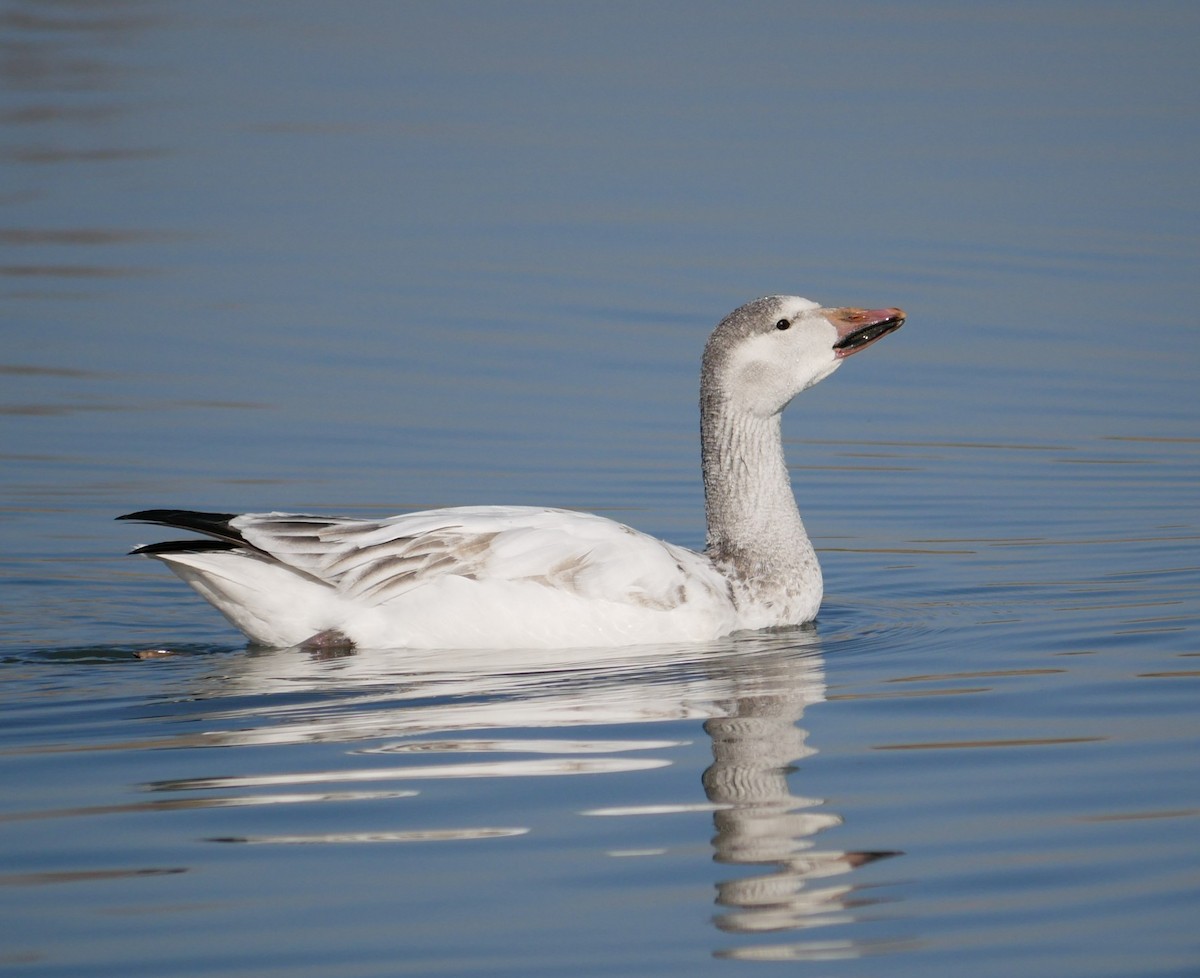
<point x="412" y="835"/>
<point x="485" y="769"/>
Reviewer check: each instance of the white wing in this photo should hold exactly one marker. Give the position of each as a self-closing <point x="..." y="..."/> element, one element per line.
<point x="379" y="560"/>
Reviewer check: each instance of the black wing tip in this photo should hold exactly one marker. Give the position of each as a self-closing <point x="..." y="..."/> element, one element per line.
<point x="142" y="515"/>
<point x="183" y="518"/>
<point x="183" y="547"/>
<point x="210" y="524"/>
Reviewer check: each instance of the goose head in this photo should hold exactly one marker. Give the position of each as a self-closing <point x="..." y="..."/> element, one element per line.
<point x="766" y="352"/>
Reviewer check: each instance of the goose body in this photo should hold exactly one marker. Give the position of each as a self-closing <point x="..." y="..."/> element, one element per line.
<point x="515" y="576"/>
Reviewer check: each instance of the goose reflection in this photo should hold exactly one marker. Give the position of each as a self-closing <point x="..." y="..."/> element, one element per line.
<point x="756" y="743"/>
<point x="439" y="715"/>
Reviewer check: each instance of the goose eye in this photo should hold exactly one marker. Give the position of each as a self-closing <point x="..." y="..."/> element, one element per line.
<point x="783" y="324"/>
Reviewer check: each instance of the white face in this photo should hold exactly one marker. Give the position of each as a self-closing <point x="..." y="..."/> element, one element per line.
<point x="793" y="351"/>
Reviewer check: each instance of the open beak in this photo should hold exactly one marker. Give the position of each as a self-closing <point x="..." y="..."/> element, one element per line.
<point x="859" y="328"/>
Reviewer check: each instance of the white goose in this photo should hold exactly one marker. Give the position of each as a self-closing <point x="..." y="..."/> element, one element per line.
<point x="517" y="576"/>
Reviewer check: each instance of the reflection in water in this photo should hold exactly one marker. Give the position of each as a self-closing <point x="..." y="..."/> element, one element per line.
<point x="759" y="822"/>
<point x="436" y="772"/>
<point x="411" y="835"/>
<point x="415" y="708"/>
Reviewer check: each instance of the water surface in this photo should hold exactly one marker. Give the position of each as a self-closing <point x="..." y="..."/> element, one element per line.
<point x="303" y="256"/>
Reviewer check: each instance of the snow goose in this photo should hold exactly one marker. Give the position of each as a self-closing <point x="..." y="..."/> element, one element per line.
<point x="517" y="576"/>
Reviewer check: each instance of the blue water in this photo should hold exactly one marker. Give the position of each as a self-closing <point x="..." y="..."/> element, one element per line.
<point x="372" y="257"/>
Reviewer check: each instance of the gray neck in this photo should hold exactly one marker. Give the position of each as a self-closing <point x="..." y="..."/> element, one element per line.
<point x="754" y="526"/>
